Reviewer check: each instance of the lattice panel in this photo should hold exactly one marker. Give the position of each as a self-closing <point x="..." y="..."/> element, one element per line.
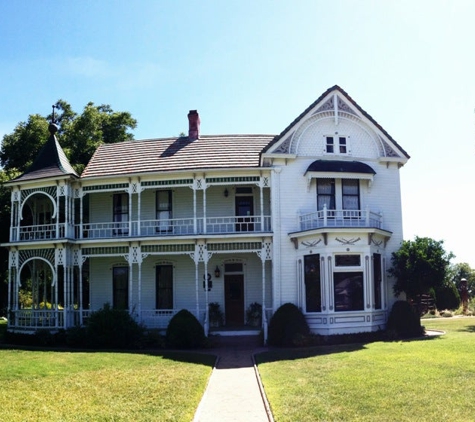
<point x="47" y="254"/>
<point x="106" y="251"/>
<point x="180" y="248"/>
<point x="50" y="190"/>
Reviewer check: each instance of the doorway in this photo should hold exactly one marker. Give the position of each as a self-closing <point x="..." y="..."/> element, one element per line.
<point x="234" y="299"/>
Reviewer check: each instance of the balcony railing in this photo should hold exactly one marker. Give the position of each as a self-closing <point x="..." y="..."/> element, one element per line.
<point x="39" y="232"/>
<point x="144" y="228"/>
<point x="340" y="218"/>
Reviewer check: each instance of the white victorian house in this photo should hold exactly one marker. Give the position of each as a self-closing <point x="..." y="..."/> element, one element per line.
<point x="310" y="216"/>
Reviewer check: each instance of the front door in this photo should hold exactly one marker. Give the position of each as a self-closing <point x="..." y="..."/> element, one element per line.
<point x="234" y="299"/>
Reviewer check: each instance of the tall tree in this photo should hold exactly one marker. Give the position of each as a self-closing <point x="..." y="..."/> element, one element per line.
<point x="78" y="134"/>
<point x="463" y="270"/>
<point x="419" y="265"/>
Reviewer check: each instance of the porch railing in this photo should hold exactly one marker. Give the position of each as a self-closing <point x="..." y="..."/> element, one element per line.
<point x="160" y="318"/>
<point x="39" y="232"/>
<point x="37" y="318"/>
<point x="174" y="227"/>
<point x="340" y="218"/>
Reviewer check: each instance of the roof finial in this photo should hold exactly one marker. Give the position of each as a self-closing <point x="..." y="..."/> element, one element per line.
<point x="53" y="119"/>
<point x="53" y="128"/>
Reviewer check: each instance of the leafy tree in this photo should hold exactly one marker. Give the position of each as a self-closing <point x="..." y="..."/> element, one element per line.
<point x="418" y="266"/>
<point x="463" y="270"/>
<point x="78" y="134"/>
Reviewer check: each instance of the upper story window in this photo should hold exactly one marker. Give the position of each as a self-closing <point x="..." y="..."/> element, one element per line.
<point x="120" y="211"/>
<point x="337" y="145"/>
<point x="338" y="194"/>
<point x="164" y="210"/>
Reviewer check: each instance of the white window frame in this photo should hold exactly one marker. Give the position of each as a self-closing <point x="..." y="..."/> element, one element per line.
<point x="337" y="145"/>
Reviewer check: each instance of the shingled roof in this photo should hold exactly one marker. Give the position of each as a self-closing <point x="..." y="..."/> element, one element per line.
<point x="50" y="162"/>
<point x="171" y="154"/>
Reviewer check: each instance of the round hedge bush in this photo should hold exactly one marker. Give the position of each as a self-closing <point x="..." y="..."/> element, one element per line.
<point x="447" y="297"/>
<point x="184" y="331"/>
<point x="110" y="328"/>
<point x="404" y="321"/>
<point x="287" y="326"/>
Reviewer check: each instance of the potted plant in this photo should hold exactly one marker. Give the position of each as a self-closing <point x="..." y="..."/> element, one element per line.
<point x="254" y="315"/>
<point x="215" y="315"/>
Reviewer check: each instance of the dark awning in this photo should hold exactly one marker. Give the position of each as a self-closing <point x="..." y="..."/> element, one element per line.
<point x="334" y="166"/>
<point x="337" y="169"/>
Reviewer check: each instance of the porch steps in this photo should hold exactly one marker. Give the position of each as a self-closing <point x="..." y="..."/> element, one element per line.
<point x="243" y="342"/>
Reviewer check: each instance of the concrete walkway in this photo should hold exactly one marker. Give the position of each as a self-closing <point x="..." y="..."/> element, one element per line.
<point x="234" y="391"/>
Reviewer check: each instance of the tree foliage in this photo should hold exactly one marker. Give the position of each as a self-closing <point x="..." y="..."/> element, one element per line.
<point x="78" y="134"/>
<point x="463" y="270"/>
<point x="419" y="265"/>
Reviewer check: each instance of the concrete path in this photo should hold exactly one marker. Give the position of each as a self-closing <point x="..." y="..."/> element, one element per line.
<point x="234" y="392"/>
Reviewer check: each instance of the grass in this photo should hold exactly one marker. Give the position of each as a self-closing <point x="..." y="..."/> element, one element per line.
<point x="423" y="380"/>
<point x="88" y="386"/>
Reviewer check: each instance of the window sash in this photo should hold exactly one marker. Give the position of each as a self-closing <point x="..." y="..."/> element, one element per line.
<point x="313" y="298"/>
<point x="120" y="287"/>
<point x="164" y="287"/>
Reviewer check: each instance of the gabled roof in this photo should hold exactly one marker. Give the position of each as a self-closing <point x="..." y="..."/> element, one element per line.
<point x="319" y="99"/>
<point x="50" y="162"/>
<point x="172" y="154"/>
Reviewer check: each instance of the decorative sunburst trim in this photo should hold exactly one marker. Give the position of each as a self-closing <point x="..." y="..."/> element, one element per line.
<point x="349" y="241"/>
<point x="311" y="244"/>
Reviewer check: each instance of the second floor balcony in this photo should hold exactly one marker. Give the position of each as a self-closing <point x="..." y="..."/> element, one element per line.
<point x="340" y="218"/>
<point x="144" y="228"/>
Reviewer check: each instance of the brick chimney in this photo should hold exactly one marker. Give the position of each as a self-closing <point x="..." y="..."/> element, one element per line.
<point x="194" y="124"/>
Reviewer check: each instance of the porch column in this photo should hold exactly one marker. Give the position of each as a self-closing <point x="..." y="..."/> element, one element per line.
<point x="139" y="211"/>
<point x="80" y="300"/>
<point x="57" y="212"/>
<point x="204" y="207"/>
<point x="206" y="327"/>
<point x="195" y="221"/>
<point x="264" y="316"/>
<point x="81" y="211"/>
<point x="139" y="305"/>
<point x="130" y="209"/>
<point x="261" y="197"/>
<point x="197" y="287"/>
<point x="9" y="301"/>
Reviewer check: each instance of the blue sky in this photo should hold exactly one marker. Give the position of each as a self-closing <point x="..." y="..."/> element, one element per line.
<point x="252" y="66"/>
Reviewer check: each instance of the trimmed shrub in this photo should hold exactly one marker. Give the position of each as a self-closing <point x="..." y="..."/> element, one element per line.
<point x="447" y="297"/>
<point x="110" y="328"/>
<point x="287" y="326"/>
<point x="404" y="321"/>
<point x="184" y="331"/>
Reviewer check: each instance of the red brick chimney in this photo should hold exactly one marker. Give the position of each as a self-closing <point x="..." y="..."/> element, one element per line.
<point x="194" y="124"/>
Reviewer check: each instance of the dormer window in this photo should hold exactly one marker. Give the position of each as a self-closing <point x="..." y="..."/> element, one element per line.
<point x="336" y="145"/>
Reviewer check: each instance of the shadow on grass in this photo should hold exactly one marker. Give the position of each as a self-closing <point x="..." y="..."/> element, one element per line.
<point x="467" y="329"/>
<point x="279" y="354"/>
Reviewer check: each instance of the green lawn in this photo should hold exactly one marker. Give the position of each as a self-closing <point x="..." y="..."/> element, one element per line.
<point x="418" y="380"/>
<point x="88" y="386"/>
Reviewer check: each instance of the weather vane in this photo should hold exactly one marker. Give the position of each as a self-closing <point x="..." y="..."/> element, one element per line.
<point x="53" y="119"/>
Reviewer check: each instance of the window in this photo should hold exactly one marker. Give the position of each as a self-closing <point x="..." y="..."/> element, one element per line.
<point x="338" y="194"/>
<point x="377" y="279"/>
<point x="348" y="286"/>
<point x="350" y="191"/>
<point x="120" y="212"/>
<point x="120" y="287"/>
<point x="313" y="299"/>
<point x="164" y="287"/>
<point x="336" y="144"/>
<point x="164" y="210"/>
<point x="326" y="194"/>
<point x="244" y="205"/>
